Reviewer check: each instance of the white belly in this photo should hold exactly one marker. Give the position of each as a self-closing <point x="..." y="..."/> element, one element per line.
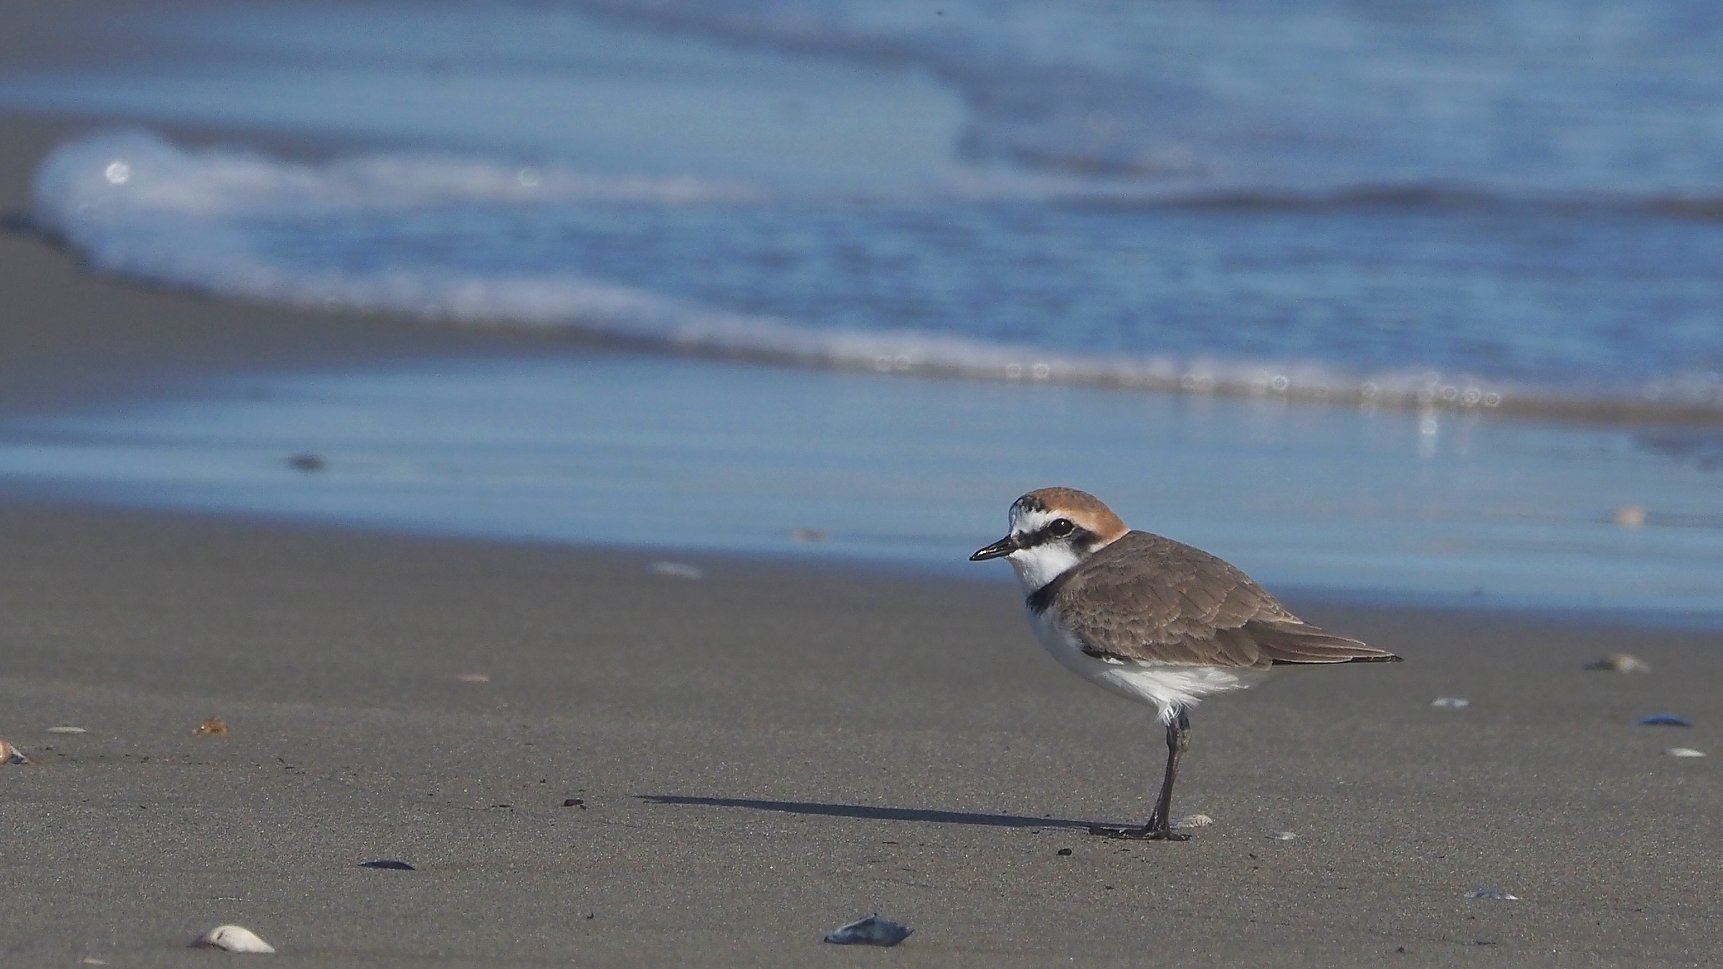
<point x="1168" y="687"/>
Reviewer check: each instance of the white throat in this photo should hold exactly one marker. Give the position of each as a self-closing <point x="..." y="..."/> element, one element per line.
<point x="1042" y="564"/>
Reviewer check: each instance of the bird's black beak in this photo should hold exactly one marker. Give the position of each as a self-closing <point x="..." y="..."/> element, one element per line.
<point x="1003" y="547"/>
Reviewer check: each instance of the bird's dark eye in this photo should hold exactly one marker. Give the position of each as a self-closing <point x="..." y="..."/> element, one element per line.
<point x="1061" y="527"/>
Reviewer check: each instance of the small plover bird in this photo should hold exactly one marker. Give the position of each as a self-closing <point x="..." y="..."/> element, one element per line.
<point x="1151" y="619"/>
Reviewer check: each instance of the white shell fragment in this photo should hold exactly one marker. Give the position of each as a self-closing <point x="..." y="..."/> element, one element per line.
<point x="1620" y="663"/>
<point x="11" y="755"/>
<point x="1282" y="836"/>
<point x="1493" y="894"/>
<point x="67" y="729"/>
<point x="1683" y="752"/>
<point x="1193" y="821"/>
<point x="872" y="930"/>
<point x="1451" y="702"/>
<point x="677" y="570"/>
<point x="232" y="938"/>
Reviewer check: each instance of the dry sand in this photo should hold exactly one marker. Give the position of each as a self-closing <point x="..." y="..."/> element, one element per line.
<point x="762" y="753"/>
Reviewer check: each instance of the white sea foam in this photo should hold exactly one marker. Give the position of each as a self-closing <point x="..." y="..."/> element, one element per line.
<point x="133" y="203"/>
<point x="133" y="174"/>
<point x="205" y="219"/>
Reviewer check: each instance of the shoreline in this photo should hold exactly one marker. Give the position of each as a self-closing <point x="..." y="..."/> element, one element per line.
<point x="82" y="340"/>
<point x="1600" y="619"/>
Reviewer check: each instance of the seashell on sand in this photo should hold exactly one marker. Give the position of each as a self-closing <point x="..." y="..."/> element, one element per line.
<point x="67" y="729"/>
<point x="11" y="755"/>
<point x="1683" y="752"/>
<point x="872" y="930"/>
<point x="1620" y="663"/>
<point x="232" y="938"/>
<point x="1492" y="894"/>
<point x="213" y="727"/>
<point x="1193" y="821"/>
<point x="1282" y="836"/>
<point x="1451" y="702"/>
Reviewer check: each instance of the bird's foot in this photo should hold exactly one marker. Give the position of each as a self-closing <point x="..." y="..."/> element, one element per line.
<point x="1146" y="832"/>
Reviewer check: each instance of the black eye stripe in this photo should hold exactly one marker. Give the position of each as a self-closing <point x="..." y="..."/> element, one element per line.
<point x="1045" y="534"/>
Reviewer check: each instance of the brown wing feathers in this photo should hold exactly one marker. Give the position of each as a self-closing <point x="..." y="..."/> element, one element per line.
<point x="1188" y="607"/>
<point x="1300" y="642"/>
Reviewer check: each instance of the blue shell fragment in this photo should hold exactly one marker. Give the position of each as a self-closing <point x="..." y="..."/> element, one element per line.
<point x="1662" y="720"/>
<point x="872" y="930"/>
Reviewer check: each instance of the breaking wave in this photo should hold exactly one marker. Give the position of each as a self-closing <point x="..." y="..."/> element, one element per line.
<point x="209" y="220"/>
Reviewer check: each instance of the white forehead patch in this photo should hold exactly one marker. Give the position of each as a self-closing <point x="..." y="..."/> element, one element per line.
<point x="1025" y="520"/>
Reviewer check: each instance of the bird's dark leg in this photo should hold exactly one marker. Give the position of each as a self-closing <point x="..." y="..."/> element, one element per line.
<point x="1160" y="826"/>
<point x="1178" y="741"/>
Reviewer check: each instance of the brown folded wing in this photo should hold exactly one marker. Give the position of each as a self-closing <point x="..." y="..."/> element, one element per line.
<point x="1185" y="606"/>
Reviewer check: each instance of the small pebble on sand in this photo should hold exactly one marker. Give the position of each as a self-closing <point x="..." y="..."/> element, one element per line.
<point x="872" y="930"/>
<point x="1620" y="663"/>
<point x="307" y="462"/>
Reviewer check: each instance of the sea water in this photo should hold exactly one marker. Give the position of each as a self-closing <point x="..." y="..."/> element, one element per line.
<point x="1376" y="296"/>
<point x="619" y="448"/>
